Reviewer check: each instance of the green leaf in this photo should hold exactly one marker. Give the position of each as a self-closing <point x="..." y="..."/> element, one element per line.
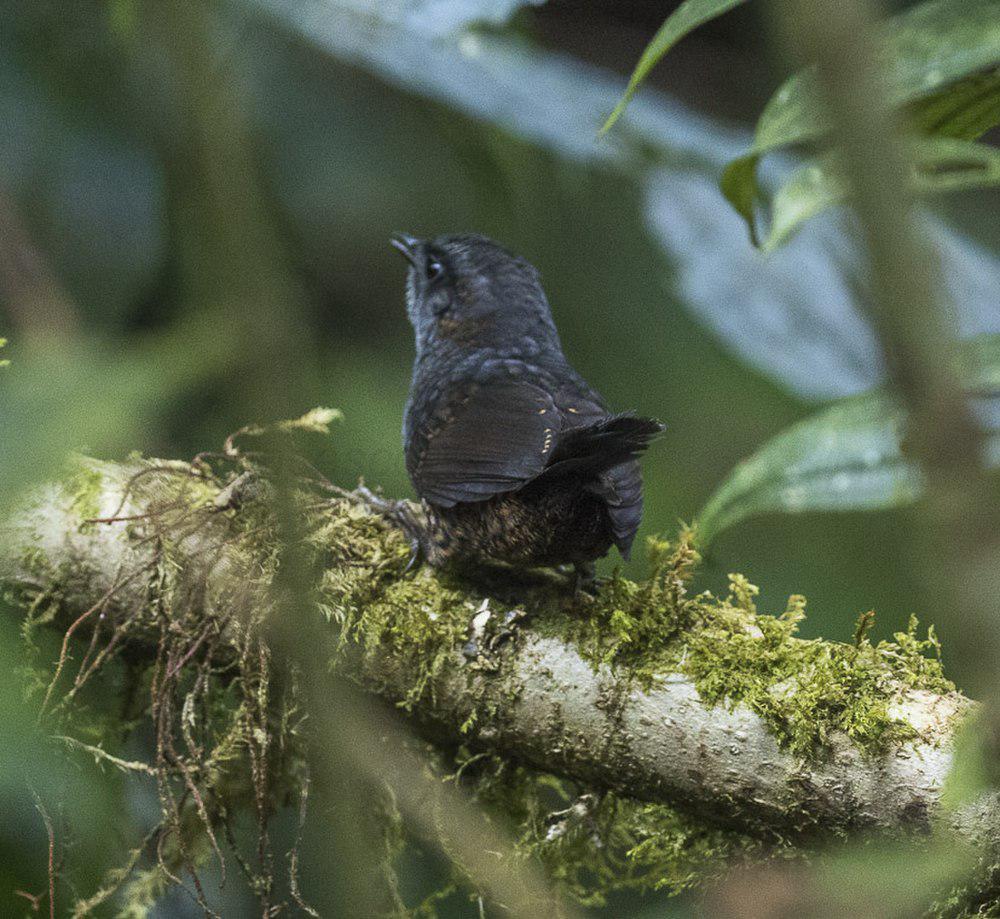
<point x="807" y="191"/>
<point x="965" y="110"/>
<point x="947" y="164"/>
<point x="940" y="164"/>
<point x="686" y="18"/>
<point x="3" y="341"/>
<point x="738" y="184"/>
<point x="935" y="53"/>
<point x="846" y="457"/>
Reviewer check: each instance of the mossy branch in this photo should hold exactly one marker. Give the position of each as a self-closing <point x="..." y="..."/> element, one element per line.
<point x="647" y="693"/>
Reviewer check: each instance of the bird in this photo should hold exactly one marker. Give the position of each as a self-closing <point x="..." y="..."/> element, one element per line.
<point x="514" y="456"/>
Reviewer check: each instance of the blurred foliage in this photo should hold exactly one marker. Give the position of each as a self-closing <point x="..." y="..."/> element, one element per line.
<point x="940" y="164"/>
<point x="849" y="456"/>
<point x="157" y="303"/>
<point x="944" y="67"/>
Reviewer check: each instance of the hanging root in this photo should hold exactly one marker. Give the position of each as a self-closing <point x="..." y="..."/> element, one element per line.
<point x="224" y="740"/>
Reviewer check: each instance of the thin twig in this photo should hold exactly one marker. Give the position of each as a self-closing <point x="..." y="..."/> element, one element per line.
<point x="116" y="585"/>
<point x="52" y="852"/>
<point x="103" y="755"/>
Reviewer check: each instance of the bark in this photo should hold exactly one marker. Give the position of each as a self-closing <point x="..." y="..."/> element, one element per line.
<point x="544" y="703"/>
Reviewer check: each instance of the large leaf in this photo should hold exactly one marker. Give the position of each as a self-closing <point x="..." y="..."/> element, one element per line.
<point x="846" y="457"/>
<point x="935" y="53"/>
<point x="796" y="315"/>
<point x="490" y="75"/>
<point x="940" y="164"/>
<point x="687" y="17"/>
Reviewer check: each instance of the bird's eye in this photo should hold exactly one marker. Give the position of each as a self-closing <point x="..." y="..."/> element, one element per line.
<point x="434" y="269"/>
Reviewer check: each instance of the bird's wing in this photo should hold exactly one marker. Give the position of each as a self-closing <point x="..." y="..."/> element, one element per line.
<point x="488" y="437"/>
<point x="579" y="403"/>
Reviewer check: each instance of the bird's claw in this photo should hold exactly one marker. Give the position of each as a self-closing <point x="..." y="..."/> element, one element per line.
<point x="416" y="553"/>
<point x="487" y="632"/>
<point x="585" y="582"/>
<point x="401" y="515"/>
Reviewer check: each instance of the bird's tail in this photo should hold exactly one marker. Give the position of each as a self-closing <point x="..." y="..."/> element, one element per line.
<point x="602" y="445"/>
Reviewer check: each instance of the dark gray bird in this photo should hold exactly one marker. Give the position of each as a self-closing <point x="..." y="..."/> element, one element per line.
<point x="514" y="456"/>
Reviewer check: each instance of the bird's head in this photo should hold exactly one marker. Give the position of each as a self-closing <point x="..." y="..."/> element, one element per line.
<point x="471" y="291"/>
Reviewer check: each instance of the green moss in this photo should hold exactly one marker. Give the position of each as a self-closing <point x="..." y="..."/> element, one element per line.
<point x="420" y="619"/>
<point x="805" y="690"/>
<point x="85" y="486"/>
<point x="594" y="845"/>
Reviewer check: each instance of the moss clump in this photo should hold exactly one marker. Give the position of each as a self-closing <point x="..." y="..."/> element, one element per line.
<point x="420" y="620"/>
<point x="85" y="487"/>
<point x="595" y="845"/>
<point x="805" y="690"/>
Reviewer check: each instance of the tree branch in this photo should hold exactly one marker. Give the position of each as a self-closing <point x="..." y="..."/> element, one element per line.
<point x="567" y="691"/>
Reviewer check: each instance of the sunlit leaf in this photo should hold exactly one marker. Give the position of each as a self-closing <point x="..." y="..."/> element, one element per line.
<point x="940" y="164"/>
<point x="931" y="50"/>
<point x="687" y="17"/>
<point x="846" y="457"/>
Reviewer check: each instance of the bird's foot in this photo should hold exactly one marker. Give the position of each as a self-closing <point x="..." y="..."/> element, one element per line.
<point x="403" y="515"/>
<point x="584" y="579"/>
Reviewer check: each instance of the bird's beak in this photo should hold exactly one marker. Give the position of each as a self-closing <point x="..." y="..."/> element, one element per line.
<point x="407" y="245"/>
